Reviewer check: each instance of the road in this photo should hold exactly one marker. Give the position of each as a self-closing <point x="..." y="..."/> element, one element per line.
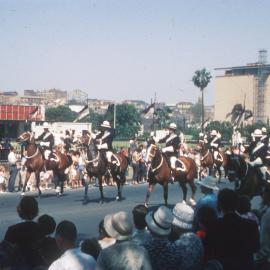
<point x="87" y="217"/>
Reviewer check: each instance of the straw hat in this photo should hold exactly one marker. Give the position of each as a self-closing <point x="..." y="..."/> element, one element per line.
<point x="183" y="216"/>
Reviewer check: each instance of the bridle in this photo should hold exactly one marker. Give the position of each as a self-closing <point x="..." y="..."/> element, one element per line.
<point x="149" y="154"/>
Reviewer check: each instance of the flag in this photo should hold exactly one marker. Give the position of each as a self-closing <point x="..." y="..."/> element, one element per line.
<point x="82" y="113"/>
<point x="33" y="114"/>
<point x="149" y="111"/>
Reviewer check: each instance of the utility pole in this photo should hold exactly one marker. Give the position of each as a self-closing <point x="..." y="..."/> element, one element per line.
<point x="114" y="115"/>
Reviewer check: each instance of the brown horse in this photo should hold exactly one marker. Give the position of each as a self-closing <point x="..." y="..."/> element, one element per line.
<point x="36" y="163"/>
<point x="96" y="165"/>
<point x="208" y="161"/>
<point x="160" y="172"/>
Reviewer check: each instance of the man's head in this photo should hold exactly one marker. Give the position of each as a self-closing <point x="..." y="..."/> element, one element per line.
<point x="66" y="235"/>
<point x="105" y="125"/>
<point x="47" y="224"/>
<point x="227" y="200"/>
<point x="139" y="212"/>
<point x="46" y="126"/>
<point x="172" y="128"/>
<point x="208" y="185"/>
<point x="28" y="208"/>
<point x="12" y="148"/>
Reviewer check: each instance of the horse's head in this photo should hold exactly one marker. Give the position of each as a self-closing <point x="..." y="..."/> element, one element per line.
<point x="25" y="137"/>
<point x="234" y="165"/>
<point x="151" y="153"/>
<point x="92" y="148"/>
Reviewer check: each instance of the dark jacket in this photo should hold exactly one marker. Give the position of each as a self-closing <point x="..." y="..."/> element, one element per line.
<point x="25" y="236"/>
<point x="233" y="240"/>
<point x="171" y="140"/>
<point x="106" y="137"/>
<point x="47" y="136"/>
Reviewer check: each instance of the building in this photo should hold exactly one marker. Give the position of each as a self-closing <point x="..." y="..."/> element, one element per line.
<point x="249" y="85"/>
<point x="140" y="105"/>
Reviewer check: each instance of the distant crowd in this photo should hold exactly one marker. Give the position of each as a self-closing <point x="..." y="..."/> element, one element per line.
<point x="220" y="232"/>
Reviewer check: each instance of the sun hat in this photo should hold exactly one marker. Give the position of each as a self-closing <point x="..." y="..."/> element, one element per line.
<point x="172" y="126"/>
<point x="183" y="216"/>
<point x="45" y="125"/>
<point x="118" y="225"/>
<point x="208" y="182"/>
<point x="106" y="124"/>
<point x="160" y="221"/>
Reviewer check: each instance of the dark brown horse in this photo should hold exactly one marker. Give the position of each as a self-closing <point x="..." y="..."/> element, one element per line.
<point x="241" y="171"/>
<point x="160" y="172"/>
<point x="208" y="161"/>
<point x="36" y="163"/>
<point x="96" y="165"/>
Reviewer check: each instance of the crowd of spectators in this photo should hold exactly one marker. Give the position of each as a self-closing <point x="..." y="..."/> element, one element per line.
<point x="221" y="232"/>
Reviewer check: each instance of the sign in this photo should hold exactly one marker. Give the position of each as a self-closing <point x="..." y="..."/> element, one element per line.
<point x="22" y="113"/>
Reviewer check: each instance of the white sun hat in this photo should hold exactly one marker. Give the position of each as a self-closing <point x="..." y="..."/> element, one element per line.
<point x="106" y="124"/>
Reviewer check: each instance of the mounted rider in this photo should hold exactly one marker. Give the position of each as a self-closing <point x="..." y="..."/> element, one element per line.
<point x="172" y="143"/>
<point x="46" y="141"/>
<point x="258" y="153"/>
<point x="214" y="144"/>
<point x="265" y="137"/>
<point x="203" y="138"/>
<point x="104" y="139"/>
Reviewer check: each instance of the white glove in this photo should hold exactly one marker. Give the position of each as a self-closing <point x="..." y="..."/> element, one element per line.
<point x="152" y="134"/>
<point x="98" y="147"/>
<point x="163" y="150"/>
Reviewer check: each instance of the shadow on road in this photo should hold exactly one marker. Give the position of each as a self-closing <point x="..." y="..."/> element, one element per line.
<point x="97" y="200"/>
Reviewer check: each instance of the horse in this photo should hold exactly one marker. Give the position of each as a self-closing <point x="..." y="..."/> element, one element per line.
<point x="97" y="166"/>
<point x="159" y="172"/>
<point x="251" y="183"/>
<point x="208" y="161"/>
<point x="36" y="163"/>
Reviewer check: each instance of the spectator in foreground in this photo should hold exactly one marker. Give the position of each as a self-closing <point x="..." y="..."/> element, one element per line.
<point x="47" y="247"/>
<point x="244" y="208"/>
<point x="140" y="234"/>
<point x="161" y="251"/>
<point x="189" y="249"/>
<point x="208" y="186"/>
<point x="72" y="258"/>
<point x="26" y="234"/>
<point x="232" y="240"/>
<point x="124" y="254"/>
<point x="91" y="247"/>
<point x="262" y="257"/>
<point x="104" y="239"/>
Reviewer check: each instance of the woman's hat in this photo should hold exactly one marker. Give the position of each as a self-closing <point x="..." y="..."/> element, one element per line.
<point x="208" y="182"/>
<point x="183" y="216"/>
<point x="118" y="225"/>
<point x="160" y="221"/>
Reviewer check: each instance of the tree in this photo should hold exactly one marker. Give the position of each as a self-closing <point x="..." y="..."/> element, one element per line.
<point x="196" y="111"/>
<point x="162" y="117"/>
<point x="60" y="114"/>
<point x="94" y="118"/>
<point x="127" y="120"/>
<point x="225" y="128"/>
<point x="201" y="79"/>
<point x="239" y="114"/>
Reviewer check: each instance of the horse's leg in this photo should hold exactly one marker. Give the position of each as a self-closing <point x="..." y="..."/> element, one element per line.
<point x="27" y="176"/>
<point x="219" y="174"/>
<point x="193" y="189"/>
<point x="100" y="189"/>
<point x="182" y="184"/>
<point x="37" y="174"/>
<point x="165" y="190"/>
<point x="149" y="190"/>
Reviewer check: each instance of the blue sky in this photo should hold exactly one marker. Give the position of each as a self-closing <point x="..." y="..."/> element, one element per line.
<point x="125" y="49"/>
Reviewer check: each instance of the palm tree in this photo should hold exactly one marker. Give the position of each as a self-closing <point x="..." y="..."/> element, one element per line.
<point x="239" y="114"/>
<point x="201" y="79"/>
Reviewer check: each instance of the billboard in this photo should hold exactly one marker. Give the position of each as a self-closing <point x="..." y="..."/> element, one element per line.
<point x="22" y="113"/>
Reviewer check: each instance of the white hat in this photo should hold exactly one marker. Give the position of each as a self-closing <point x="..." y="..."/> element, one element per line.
<point x="160" y="221"/>
<point x="106" y="124"/>
<point x="183" y="216"/>
<point x="214" y="132"/>
<point x="257" y="133"/>
<point x="172" y="126"/>
<point x="201" y="134"/>
<point x="45" y="125"/>
<point x="118" y="225"/>
<point x="208" y="182"/>
<point x="264" y="129"/>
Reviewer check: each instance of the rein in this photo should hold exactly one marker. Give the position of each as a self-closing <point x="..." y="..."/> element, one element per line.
<point x="160" y="164"/>
<point x="35" y="154"/>
<point x="92" y="160"/>
<point x="202" y="158"/>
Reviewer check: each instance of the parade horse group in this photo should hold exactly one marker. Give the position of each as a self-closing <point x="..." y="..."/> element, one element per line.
<point x="237" y="169"/>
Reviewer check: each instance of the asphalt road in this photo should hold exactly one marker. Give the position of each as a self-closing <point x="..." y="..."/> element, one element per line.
<point x="87" y="217"/>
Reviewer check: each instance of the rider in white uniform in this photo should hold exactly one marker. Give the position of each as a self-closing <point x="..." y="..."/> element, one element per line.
<point x="215" y="143"/>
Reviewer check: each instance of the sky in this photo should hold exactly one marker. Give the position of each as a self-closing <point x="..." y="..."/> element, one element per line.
<point x="127" y="49"/>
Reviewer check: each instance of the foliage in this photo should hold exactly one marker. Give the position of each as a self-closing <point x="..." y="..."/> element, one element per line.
<point x="201" y="78"/>
<point x="127" y="120"/>
<point x="60" y="114"/>
<point x="196" y="111"/>
<point x="162" y="117"/>
<point x="225" y="128"/>
<point x="247" y="130"/>
<point x="94" y="118"/>
<point x="239" y="114"/>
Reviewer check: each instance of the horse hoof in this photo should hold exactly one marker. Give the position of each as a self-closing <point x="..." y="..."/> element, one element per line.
<point x="101" y="201"/>
<point x="59" y="194"/>
<point x="118" y="198"/>
<point x="146" y="205"/>
<point x="192" y="202"/>
<point x="184" y="202"/>
<point x="22" y="194"/>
